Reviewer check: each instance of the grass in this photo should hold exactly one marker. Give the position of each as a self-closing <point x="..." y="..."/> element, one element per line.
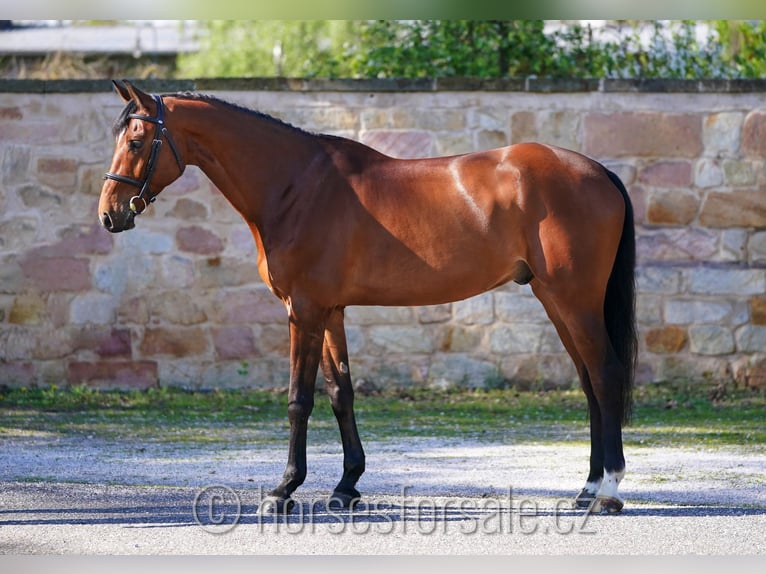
<point x="689" y="415"/>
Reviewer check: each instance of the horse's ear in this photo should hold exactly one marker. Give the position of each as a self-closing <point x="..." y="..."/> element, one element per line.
<point x="141" y="98"/>
<point x="121" y="91"/>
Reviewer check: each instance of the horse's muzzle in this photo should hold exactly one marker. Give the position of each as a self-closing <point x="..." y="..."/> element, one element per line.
<point x="113" y="225"/>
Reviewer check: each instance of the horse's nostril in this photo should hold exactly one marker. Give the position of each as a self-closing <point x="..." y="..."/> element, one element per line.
<point x="106" y="221"/>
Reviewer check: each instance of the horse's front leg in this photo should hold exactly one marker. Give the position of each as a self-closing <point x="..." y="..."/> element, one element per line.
<point x="306" y="336"/>
<point x="338" y="379"/>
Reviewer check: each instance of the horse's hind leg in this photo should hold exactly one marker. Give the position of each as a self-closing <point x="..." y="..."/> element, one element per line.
<point x="605" y="375"/>
<point x="588" y="493"/>
<point x="338" y="381"/>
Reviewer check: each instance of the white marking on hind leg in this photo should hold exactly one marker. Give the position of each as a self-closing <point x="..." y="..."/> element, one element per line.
<point x="592" y="486"/>
<point x="610" y="483"/>
<point x="607" y="498"/>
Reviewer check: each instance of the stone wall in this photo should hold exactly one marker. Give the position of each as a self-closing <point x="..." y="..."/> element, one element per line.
<point x="178" y="300"/>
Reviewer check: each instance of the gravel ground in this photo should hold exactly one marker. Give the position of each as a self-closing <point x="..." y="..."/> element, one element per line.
<point x="89" y="496"/>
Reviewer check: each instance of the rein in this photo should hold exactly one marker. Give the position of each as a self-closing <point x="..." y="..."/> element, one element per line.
<point x="160" y="131"/>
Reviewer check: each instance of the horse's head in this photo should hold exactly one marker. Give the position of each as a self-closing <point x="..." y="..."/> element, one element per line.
<point x="140" y="168"/>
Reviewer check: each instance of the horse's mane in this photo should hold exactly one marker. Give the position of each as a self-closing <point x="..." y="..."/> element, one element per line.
<point x="122" y="120"/>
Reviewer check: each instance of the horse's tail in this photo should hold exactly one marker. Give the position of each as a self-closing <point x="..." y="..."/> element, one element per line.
<point x="620" y="302"/>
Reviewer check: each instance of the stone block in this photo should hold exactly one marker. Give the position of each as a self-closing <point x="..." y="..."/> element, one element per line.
<point x="648" y="309"/>
<point x="401" y="339"/>
<point x="215" y="272"/>
<point x="751" y="372"/>
<point x="666" y="340"/>
<point x="478" y="310"/>
<point x="754" y="134"/>
<point x="708" y="174"/>
<point x="721" y="133"/>
<point x="739" y="208"/>
<point x="188" y="210"/>
<point x="196" y="239"/>
<point x="666" y="174"/>
<point x="15" y="165"/>
<point x="189" y="342"/>
<point x="448" y="370"/>
<point x="524" y="338"/>
<point x="758" y="310"/>
<point x="16" y="374"/>
<point x="681" y="244"/>
<point x="234" y="342"/>
<point x="376" y="315"/>
<point x="57" y="172"/>
<point x="17" y="342"/>
<point x="405" y="144"/>
<point x="432" y="119"/>
<point x="77" y="240"/>
<point x="757" y="247"/>
<point x="57" y="273"/>
<point x="18" y="232"/>
<point x="37" y="197"/>
<point x="539" y="371"/>
<point x="133" y="311"/>
<point x="733" y="245"/>
<point x="693" y="368"/>
<point x="523" y="127"/>
<point x="44" y="132"/>
<point x="687" y="312"/>
<point x="495" y="118"/>
<point x="104" y="341"/>
<point x="489" y="139"/>
<point x="459" y="339"/>
<point x="11" y="113"/>
<point x="751" y="339"/>
<point x="517" y="308"/>
<point x="90" y="180"/>
<point x="453" y="143"/>
<point x="658" y="280"/>
<point x="27" y="309"/>
<point x="116" y="277"/>
<point x="557" y="127"/>
<point x="714" y="281"/>
<point x="639" y="198"/>
<point x="738" y="173"/>
<point x="107" y="375"/>
<point x="97" y="308"/>
<point x="275" y="339"/>
<point x="257" y="305"/>
<point x="178" y="308"/>
<point x="643" y="134"/>
<point x="177" y="272"/>
<point x="672" y="207"/>
<point x="710" y="340"/>
<point x="434" y="313"/>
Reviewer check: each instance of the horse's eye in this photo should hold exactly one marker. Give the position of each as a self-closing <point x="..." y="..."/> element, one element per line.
<point x="135" y="145"/>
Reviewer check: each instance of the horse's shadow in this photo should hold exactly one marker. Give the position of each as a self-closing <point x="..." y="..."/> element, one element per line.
<point x="142" y="507"/>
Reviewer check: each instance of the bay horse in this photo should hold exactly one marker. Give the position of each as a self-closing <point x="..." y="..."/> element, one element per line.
<point x="337" y="223"/>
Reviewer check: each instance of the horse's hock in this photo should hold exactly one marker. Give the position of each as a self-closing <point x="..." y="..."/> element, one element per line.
<point x="179" y="301"/>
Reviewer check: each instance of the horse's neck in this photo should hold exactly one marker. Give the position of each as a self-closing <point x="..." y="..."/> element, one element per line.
<point x="247" y="157"/>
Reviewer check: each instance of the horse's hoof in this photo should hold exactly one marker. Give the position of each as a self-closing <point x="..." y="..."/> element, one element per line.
<point x="606" y="505"/>
<point x="343" y="500"/>
<point x="584" y="499"/>
<point x="274" y="505"/>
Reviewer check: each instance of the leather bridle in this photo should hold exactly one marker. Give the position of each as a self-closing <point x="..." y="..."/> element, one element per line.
<point x="160" y="131"/>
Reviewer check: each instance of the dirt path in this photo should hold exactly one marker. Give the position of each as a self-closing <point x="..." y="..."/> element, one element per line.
<point x="86" y="495"/>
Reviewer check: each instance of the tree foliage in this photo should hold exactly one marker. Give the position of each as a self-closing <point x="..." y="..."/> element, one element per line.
<point x="481" y="48"/>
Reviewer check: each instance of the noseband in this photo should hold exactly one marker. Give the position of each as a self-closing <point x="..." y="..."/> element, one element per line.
<point x="160" y="131"/>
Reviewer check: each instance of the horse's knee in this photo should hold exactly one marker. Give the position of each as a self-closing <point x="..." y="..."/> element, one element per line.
<point x="299" y="411"/>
